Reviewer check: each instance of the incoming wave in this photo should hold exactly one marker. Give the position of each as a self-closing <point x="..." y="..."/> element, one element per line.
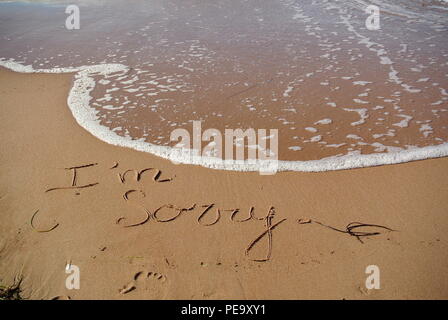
<point x="79" y="103"/>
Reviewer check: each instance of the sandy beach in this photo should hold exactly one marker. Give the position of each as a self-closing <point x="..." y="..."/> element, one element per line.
<point x="185" y="232"/>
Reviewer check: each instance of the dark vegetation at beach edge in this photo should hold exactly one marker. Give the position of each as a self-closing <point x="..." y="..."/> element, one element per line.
<point x="11" y="292"/>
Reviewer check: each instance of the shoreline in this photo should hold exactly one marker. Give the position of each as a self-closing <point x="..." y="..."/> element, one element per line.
<point x="78" y="102"/>
<point x="200" y="254"/>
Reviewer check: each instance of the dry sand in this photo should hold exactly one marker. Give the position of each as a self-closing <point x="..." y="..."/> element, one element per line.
<point x="185" y="258"/>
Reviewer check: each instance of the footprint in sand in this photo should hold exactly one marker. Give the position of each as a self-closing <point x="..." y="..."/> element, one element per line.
<point x="151" y="284"/>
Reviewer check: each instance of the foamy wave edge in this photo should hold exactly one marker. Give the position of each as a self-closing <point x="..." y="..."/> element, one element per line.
<point x="78" y="102"/>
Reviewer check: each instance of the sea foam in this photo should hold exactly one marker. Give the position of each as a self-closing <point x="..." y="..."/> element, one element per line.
<point x="79" y="103"/>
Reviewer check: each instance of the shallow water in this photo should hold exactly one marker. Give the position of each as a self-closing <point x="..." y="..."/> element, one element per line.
<point x="310" y="69"/>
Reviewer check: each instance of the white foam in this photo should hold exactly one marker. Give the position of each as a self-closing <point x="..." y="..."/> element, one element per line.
<point x="361" y="83"/>
<point x="363" y="114"/>
<point x="324" y="121"/>
<point x="354" y="136"/>
<point x="403" y="123"/>
<point x="316" y="138"/>
<point x="426" y="130"/>
<point x="288" y="91"/>
<point x="79" y="99"/>
<point x="311" y="129"/>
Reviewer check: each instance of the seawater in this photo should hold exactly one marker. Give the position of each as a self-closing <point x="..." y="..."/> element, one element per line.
<point x="340" y="95"/>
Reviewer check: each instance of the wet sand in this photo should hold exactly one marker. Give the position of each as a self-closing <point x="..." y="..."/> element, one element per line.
<point x="194" y="257"/>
